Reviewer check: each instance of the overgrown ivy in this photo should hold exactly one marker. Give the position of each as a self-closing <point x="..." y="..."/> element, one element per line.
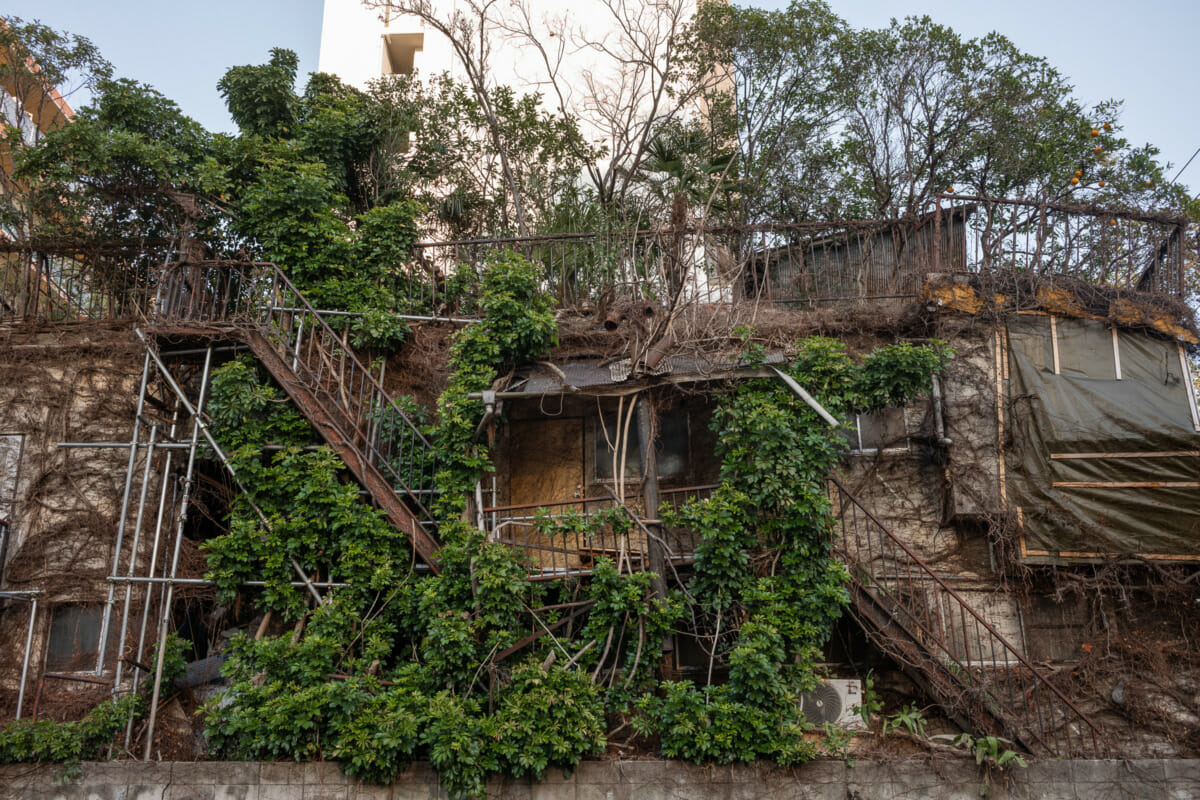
<point x="770" y="626"/>
<point x="67" y="743"/>
<point x="401" y="665"/>
<point x="317" y="518"/>
<point x="395" y="666"/>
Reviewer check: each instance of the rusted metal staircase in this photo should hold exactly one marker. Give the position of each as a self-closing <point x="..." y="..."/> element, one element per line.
<point x="315" y="366"/>
<point x="984" y="682"/>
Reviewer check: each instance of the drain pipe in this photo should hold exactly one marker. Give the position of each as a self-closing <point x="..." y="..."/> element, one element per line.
<point x="939" y="421"/>
<point x="808" y="398"/>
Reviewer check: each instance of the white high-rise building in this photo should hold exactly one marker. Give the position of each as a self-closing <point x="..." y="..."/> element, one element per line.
<point x="595" y="47"/>
<point x="360" y="44"/>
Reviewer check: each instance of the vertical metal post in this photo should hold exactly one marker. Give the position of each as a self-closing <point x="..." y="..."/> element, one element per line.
<point x="937" y="234"/>
<point x="133" y="554"/>
<point x="112" y="587"/>
<point x="650" y="493"/>
<point x="164" y="621"/>
<point x="33" y="604"/>
<point x="165" y="484"/>
<point x="299" y="344"/>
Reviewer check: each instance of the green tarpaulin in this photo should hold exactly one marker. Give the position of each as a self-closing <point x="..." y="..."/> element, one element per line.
<point x="1100" y="465"/>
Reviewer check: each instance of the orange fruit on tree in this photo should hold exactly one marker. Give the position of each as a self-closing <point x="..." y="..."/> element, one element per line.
<point x="1095" y="132"/>
<point x="1074" y="180"/>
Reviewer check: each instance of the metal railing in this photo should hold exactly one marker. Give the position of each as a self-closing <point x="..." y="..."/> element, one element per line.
<point x="260" y="295"/>
<point x="58" y="287"/>
<point x="1107" y="247"/>
<point x="786" y="263"/>
<point x="828" y="261"/>
<point x="562" y="538"/>
<point x="929" y="626"/>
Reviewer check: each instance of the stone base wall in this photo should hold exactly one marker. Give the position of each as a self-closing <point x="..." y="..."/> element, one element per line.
<point x="918" y="779"/>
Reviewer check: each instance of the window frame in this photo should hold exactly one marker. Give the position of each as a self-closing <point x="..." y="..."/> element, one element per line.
<point x="83" y="660"/>
<point x="859" y="450"/>
<point x="594" y="438"/>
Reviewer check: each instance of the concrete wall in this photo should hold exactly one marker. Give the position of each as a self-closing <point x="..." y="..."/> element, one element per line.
<point x="939" y="779"/>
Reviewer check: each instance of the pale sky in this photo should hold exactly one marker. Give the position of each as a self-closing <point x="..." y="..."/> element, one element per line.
<point x="1143" y="51"/>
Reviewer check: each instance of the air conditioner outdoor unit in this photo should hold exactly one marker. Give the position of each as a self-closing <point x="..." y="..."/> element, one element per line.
<point x="835" y="700"/>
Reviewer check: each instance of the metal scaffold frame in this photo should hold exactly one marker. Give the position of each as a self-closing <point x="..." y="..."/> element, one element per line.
<point x="159" y="483"/>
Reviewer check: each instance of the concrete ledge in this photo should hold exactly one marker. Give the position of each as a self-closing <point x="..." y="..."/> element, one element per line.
<point x="928" y="779"/>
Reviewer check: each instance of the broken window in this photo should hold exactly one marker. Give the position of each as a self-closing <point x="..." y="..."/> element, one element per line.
<point x="671" y="447"/>
<point x="74" y="638"/>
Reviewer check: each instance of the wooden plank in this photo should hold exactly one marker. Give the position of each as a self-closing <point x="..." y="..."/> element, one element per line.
<point x="1129" y="454"/>
<point x="1126" y="484"/>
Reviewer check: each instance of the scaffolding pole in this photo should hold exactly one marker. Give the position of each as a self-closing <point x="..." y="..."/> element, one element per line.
<point x="181" y="521"/>
<point x="33" y="604"/>
<point x="133" y="557"/>
<point x="129" y="472"/>
<point x="165" y="484"/>
<point x="221" y="455"/>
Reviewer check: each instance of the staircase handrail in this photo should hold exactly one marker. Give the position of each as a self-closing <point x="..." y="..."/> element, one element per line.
<point x="930" y="575"/>
<point x="262" y="311"/>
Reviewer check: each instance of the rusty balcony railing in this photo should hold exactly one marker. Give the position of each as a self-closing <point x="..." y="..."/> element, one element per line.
<point x="1126" y="249"/>
<point x="812" y="262"/>
<point x="913" y="615"/>
<point x="841" y="260"/>
<point x="561" y="538"/>
<point x="58" y="286"/>
<point x="258" y="295"/>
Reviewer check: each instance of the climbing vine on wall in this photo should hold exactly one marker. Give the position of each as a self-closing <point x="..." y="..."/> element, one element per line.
<point x="480" y="670"/>
<point x="770" y="623"/>
<point x="398" y="666"/>
<point x="316" y="518"/>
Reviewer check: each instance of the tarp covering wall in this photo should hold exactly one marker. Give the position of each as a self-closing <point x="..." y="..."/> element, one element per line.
<point x="1104" y="455"/>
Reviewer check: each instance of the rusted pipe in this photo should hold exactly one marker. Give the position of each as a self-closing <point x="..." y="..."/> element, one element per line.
<point x="614" y="319"/>
<point x="658" y="350"/>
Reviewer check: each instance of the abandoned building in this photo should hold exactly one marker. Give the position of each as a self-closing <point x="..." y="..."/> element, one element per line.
<point x="1021" y="542"/>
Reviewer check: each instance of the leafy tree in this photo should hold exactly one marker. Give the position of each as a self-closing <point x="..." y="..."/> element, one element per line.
<point x="128" y="169"/>
<point x="773" y="84"/>
<point x="832" y="122"/>
<point x="260" y="98"/>
<point x="436" y="146"/>
<point x="37" y="68"/>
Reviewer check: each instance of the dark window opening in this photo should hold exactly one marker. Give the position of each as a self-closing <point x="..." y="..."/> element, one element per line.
<point x="671" y="446"/>
<point x="74" y="638"/>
